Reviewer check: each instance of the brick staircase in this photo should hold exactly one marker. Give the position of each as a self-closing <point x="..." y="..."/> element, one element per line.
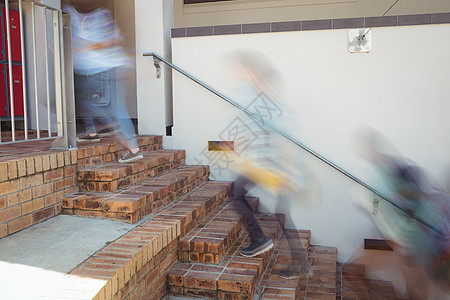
<point x="187" y="237"/>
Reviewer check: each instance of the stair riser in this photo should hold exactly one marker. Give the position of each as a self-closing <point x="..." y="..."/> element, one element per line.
<point x="235" y="277"/>
<point x="112" y="180"/>
<point x="108" y="150"/>
<point x="213" y="238"/>
<point x="134" y="204"/>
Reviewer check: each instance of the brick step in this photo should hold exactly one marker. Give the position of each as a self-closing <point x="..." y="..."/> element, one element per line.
<point x="193" y="208"/>
<point x="134" y="203"/>
<point x="135" y="266"/>
<point x="34" y="178"/>
<point x="272" y="286"/>
<point x="235" y="277"/>
<point x="319" y="278"/>
<point x="113" y="176"/>
<point x="109" y="149"/>
<point x="381" y="290"/>
<point x="211" y="240"/>
<point x="353" y="283"/>
<point x="7" y="133"/>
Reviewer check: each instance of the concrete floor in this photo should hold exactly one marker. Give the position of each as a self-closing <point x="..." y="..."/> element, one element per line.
<point x="32" y="260"/>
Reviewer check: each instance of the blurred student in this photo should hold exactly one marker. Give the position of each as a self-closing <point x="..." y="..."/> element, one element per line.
<point x="98" y="58"/>
<point x="265" y="162"/>
<point x="420" y="229"/>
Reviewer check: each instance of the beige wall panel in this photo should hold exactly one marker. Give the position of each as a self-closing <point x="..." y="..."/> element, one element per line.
<point x="124" y="16"/>
<point x="255" y="11"/>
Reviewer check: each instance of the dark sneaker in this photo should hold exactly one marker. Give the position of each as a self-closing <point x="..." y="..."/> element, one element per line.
<point x="109" y="131"/>
<point x="86" y="137"/>
<point x="257" y="248"/>
<point x="130" y="157"/>
<point x="289" y="274"/>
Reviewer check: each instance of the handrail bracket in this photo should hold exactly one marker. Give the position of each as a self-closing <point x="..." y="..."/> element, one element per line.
<point x="156" y="62"/>
<point x="376" y="201"/>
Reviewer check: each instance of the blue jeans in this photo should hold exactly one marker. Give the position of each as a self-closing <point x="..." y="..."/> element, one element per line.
<point x="108" y="107"/>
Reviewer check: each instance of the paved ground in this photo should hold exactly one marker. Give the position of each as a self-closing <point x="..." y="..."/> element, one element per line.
<point x="42" y="254"/>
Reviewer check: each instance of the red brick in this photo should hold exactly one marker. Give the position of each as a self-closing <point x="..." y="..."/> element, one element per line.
<point x="2" y="202"/>
<point x="64" y="183"/>
<point x="201" y="280"/>
<point x="10" y="213"/>
<point x="321" y="296"/>
<point x="42" y="190"/>
<point x="8" y="187"/>
<point x="38" y="164"/>
<point x="73" y="156"/>
<point x="43" y="214"/>
<point x="20" y="224"/>
<point x="21" y="167"/>
<point x="93" y="273"/>
<point x="3" y="171"/>
<point x="53" y="175"/>
<point x="53" y="198"/>
<point x="3" y="230"/>
<point x="67" y="202"/>
<point x="120" y="205"/>
<point x="45" y="162"/>
<point x="70" y="170"/>
<point x="60" y="159"/>
<point x="236" y="283"/>
<point x="88" y="213"/>
<point x="176" y="277"/>
<point x="67" y="158"/>
<point x="20" y="197"/>
<point x="27" y="207"/>
<point x="31" y="181"/>
<point x="88" y="202"/>
<point x="30" y="165"/>
<point x="151" y="277"/>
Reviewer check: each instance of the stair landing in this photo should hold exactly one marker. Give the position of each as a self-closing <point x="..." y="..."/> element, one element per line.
<point x="43" y="254"/>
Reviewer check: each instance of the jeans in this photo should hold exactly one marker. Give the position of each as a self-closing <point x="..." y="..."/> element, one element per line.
<point x="92" y="107"/>
<point x="241" y="187"/>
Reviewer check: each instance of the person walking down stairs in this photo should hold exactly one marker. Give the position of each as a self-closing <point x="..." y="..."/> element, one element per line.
<point x="99" y="60"/>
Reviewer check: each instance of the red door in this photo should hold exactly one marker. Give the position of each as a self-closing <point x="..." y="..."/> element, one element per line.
<point x="14" y="25"/>
<point x="2" y="91"/>
<point x="17" y="90"/>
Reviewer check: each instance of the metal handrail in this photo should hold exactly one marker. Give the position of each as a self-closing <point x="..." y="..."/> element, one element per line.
<point x="157" y="59"/>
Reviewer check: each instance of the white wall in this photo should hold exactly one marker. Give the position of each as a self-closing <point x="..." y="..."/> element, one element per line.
<point x="152" y="34"/>
<point x="124" y="18"/>
<point x="261" y="11"/>
<point x="402" y="88"/>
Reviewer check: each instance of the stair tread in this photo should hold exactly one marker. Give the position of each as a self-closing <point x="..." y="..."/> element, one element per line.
<point x="148" y="156"/>
<point x="319" y="279"/>
<point x="212" y="239"/>
<point x="112" y="176"/>
<point x="133" y="203"/>
<point x="234" y="276"/>
<point x="272" y="286"/>
<point x="380" y="289"/>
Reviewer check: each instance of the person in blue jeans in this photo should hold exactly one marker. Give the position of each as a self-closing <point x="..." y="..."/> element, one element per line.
<point x="98" y="58"/>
